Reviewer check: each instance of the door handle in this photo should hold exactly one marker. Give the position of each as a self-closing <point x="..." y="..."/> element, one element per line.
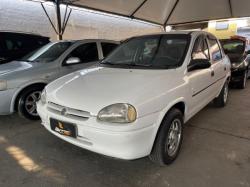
<point x="212" y="73"/>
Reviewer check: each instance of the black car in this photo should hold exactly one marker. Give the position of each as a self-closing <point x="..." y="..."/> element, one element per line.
<point x="236" y="49"/>
<point x="14" y="45"/>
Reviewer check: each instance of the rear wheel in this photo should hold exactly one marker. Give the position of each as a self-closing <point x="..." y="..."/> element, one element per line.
<point x="221" y="100"/>
<point x="27" y="102"/>
<point x="169" y="139"/>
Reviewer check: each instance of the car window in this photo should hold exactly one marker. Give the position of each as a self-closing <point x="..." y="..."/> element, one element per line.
<point x="12" y="45"/>
<point x="86" y="52"/>
<point x="214" y="49"/>
<point x="107" y="48"/>
<point x="156" y="51"/>
<point x="42" y="41"/>
<point x="200" y="50"/>
<point x="48" y="53"/>
<point x="2" y="48"/>
<point x="233" y="46"/>
<point x="13" y="42"/>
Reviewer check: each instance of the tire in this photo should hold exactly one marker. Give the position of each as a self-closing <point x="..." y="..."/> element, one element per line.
<point x="162" y="154"/>
<point x="27" y="100"/>
<point x="242" y="84"/>
<point x="221" y="100"/>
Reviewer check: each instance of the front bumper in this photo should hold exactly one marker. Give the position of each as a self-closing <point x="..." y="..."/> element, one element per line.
<point x="5" y="101"/>
<point x="120" y="144"/>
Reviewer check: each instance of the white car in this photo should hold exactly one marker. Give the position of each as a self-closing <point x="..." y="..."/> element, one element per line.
<point x="135" y="103"/>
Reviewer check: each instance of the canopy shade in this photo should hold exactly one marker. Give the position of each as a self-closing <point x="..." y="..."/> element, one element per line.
<point x="168" y="12"/>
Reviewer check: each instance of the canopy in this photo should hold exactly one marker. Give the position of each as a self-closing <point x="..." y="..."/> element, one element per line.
<point x="168" y="12"/>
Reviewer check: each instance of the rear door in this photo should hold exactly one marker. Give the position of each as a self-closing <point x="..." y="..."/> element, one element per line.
<point x="88" y="55"/>
<point x="218" y="66"/>
<point x="201" y="79"/>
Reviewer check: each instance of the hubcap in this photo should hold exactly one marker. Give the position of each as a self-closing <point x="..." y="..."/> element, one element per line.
<point x="225" y="92"/>
<point x="30" y="103"/>
<point x="174" y="137"/>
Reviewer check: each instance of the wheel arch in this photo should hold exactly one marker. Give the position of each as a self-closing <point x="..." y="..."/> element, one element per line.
<point x="179" y="104"/>
<point x="17" y="95"/>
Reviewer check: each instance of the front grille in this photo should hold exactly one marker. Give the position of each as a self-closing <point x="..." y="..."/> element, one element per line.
<point x="68" y="112"/>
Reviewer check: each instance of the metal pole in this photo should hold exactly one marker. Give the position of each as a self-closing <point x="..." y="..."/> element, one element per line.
<point x="58" y="15"/>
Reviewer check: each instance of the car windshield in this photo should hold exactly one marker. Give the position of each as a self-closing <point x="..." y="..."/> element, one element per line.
<point x="48" y="52"/>
<point x="157" y="51"/>
<point x="233" y="46"/>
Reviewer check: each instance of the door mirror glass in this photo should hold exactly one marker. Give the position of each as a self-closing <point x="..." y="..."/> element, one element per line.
<point x="72" y="60"/>
<point x="196" y="64"/>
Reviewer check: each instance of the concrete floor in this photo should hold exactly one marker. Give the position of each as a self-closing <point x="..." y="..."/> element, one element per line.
<point x="215" y="152"/>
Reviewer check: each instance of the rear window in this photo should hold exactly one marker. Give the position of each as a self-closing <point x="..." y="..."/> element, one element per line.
<point x="15" y="41"/>
<point x="233" y="46"/>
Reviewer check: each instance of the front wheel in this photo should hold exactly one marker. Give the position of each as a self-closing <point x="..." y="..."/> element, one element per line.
<point x="169" y="139"/>
<point x="27" y="103"/>
<point x="221" y="100"/>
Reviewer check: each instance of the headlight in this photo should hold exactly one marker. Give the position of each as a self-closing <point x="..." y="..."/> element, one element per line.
<point x="118" y="113"/>
<point x="3" y="85"/>
<point x="43" y="97"/>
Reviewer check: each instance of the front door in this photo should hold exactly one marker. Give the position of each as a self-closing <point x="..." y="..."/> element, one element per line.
<point x="200" y="79"/>
<point x="87" y="54"/>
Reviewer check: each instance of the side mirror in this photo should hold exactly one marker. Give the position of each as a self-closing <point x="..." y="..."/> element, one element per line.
<point x="72" y="60"/>
<point x="199" y="64"/>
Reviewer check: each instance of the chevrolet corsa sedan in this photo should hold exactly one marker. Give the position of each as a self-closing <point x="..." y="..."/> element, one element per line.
<point x="135" y="102"/>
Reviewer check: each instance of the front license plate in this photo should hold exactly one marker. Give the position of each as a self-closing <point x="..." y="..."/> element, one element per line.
<point x="66" y="129"/>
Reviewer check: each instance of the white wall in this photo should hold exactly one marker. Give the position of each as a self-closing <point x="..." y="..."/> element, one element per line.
<point x="27" y="16"/>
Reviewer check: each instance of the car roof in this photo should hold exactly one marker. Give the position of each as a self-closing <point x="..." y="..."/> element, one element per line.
<point x="190" y="32"/>
<point x="89" y="40"/>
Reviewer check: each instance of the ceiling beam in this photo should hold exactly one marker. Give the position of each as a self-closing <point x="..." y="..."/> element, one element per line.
<point x="171" y="12"/>
<point x="230" y="8"/>
<point x="138" y="8"/>
<point x="113" y="13"/>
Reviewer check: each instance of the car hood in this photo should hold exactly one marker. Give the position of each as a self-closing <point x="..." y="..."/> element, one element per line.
<point x="95" y="88"/>
<point x="14" y="66"/>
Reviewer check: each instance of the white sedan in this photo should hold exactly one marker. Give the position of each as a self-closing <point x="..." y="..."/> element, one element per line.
<point x="135" y="102"/>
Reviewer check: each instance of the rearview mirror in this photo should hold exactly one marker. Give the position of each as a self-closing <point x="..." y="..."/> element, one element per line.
<point x="199" y="64"/>
<point x="72" y="60"/>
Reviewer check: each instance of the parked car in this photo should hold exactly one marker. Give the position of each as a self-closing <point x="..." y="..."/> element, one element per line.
<point x="15" y="45"/>
<point x="135" y="102"/>
<point x="22" y="81"/>
<point x="236" y="49"/>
